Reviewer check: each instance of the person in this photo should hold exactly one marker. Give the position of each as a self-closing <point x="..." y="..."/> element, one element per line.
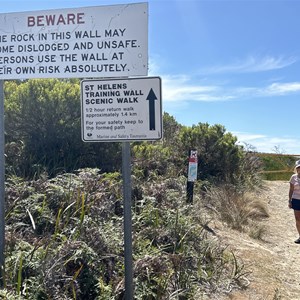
<point x="294" y="197"/>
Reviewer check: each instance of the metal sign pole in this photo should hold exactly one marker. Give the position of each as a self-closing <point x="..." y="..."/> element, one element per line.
<point x="2" y="186"/>
<point x="126" y="171"/>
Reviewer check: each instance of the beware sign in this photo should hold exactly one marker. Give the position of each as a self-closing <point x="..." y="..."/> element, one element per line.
<point x="106" y="41"/>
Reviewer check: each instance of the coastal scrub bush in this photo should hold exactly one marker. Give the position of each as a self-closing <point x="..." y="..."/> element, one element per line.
<point x="64" y="240"/>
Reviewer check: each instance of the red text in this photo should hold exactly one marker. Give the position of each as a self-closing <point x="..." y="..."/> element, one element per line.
<point x="48" y="20"/>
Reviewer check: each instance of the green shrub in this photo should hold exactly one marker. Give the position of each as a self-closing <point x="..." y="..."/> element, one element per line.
<point x="79" y="254"/>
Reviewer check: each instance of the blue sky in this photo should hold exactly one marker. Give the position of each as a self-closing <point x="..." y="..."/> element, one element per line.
<point x="234" y="63"/>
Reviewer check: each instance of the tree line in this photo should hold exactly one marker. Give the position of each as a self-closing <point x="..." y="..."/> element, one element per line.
<point x="43" y="135"/>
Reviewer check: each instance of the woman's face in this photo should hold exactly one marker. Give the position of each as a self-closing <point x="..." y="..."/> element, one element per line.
<point x="298" y="171"/>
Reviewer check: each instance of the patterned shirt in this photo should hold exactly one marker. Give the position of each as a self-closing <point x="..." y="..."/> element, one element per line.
<point x="295" y="181"/>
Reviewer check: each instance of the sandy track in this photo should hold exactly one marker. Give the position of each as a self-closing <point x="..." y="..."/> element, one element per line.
<point x="273" y="261"/>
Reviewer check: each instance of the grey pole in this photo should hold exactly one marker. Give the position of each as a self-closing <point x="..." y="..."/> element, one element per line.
<point x="2" y="187"/>
<point x="126" y="171"/>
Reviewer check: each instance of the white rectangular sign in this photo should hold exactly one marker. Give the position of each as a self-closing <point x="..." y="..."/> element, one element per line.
<point x="106" y="41"/>
<point x="193" y="166"/>
<point x="121" y="109"/>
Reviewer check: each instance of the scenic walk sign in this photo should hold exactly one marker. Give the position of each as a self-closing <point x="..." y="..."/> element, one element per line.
<point x="106" y="41"/>
<point x="121" y="109"/>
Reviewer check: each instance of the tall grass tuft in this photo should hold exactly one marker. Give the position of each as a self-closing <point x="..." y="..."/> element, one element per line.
<point x="19" y="279"/>
<point x="236" y="208"/>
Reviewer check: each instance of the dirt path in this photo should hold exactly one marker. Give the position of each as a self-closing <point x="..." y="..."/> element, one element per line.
<point x="274" y="264"/>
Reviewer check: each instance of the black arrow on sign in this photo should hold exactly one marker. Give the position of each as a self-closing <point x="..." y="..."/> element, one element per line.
<point x="151" y="97"/>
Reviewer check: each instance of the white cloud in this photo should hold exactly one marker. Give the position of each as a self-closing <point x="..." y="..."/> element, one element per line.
<point x="274" y="89"/>
<point x="268" y="144"/>
<point x="153" y="67"/>
<point x="282" y="88"/>
<point x="183" y="87"/>
<point x="252" y="64"/>
<point x="179" y="88"/>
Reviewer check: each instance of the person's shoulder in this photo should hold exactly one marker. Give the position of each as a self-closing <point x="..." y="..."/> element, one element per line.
<point x="293" y="177"/>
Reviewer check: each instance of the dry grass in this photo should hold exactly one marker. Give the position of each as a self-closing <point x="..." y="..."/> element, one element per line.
<point x="239" y="210"/>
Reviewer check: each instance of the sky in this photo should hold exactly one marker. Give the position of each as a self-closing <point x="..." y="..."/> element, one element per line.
<point x="234" y="63"/>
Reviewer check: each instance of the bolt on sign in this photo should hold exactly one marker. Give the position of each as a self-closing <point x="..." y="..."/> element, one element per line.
<point x="121" y="109"/>
<point x="104" y="41"/>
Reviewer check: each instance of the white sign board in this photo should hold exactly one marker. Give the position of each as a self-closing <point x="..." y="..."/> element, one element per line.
<point x="193" y="166"/>
<point x="121" y="109"/>
<point x="106" y="41"/>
